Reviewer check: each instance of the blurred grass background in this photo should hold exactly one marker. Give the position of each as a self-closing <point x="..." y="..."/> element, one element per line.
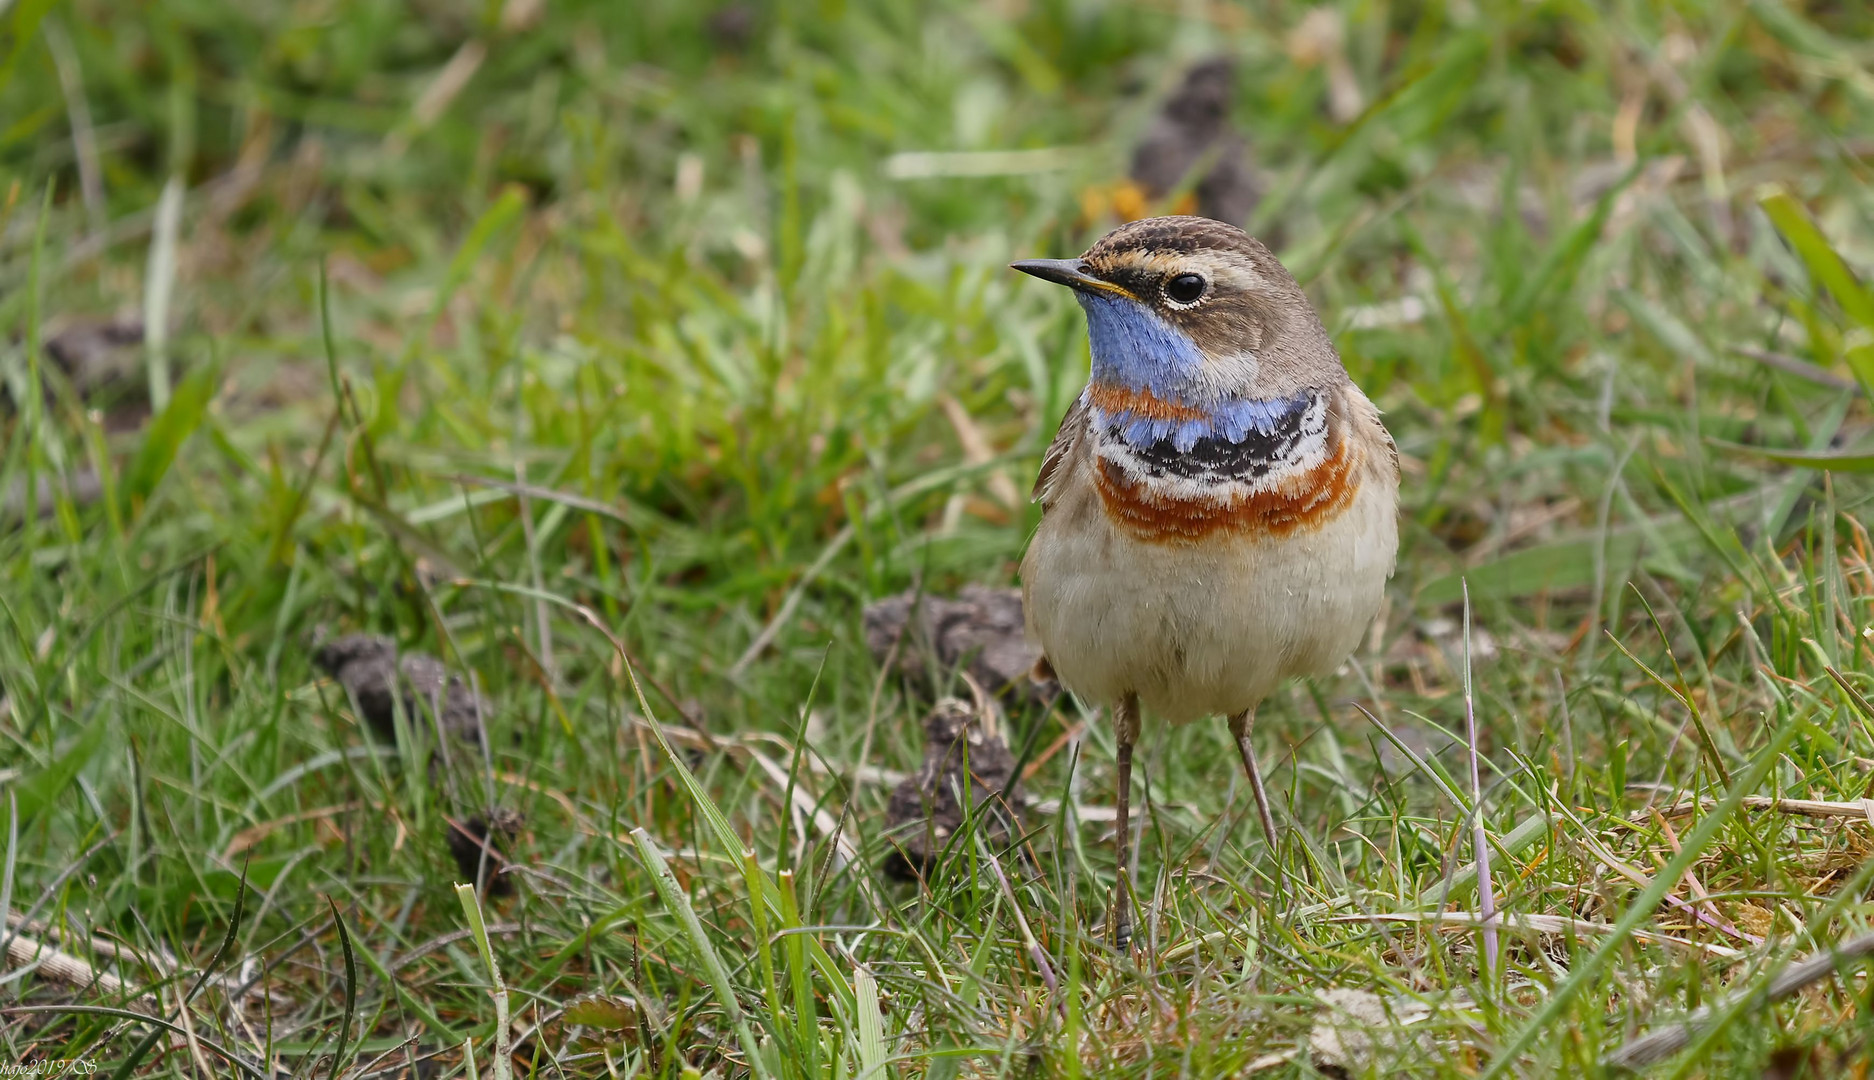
<point x="435" y="320"/>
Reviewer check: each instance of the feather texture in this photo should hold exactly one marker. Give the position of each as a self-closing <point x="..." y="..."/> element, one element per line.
<point x="1066" y="438"/>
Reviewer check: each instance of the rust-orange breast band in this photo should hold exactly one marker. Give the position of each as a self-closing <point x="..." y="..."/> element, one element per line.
<point x="1115" y="400"/>
<point x="1157" y="511"/>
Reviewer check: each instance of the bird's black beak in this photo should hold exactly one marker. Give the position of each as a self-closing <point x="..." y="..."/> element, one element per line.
<point x="1069" y="272"/>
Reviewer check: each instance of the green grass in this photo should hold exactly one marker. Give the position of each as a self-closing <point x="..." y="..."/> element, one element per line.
<point x="666" y="279"/>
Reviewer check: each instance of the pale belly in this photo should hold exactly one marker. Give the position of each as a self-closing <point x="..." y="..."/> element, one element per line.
<point x="1203" y="629"/>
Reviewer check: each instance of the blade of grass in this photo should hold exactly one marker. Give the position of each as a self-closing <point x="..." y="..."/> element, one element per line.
<point x="1642" y="907"/>
<point x="1705" y="742"/>
<point x="712" y="814"/>
<point x="1480" y="846"/>
<point x="1793" y="221"/>
<point x="764" y="946"/>
<point x="1828" y="270"/>
<point x="1788" y="975"/>
<point x="173" y="425"/>
<point x="159" y="283"/>
<point x="139" y="1018"/>
<point x="351" y="986"/>
<point x="930" y="481"/>
<point x="679" y="906"/>
<point x="25" y="28"/>
<point x="1527" y="832"/>
<point x="1843" y="461"/>
<point x="478" y="929"/>
<point x="6" y="875"/>
<point x="872" y="1057"/>
<point x="1862" y="709"/>
<point x="44" y="787"/>
<point x="227" y="941"/>
<point x="32" y="434"/>
<point x="800" y="976"/>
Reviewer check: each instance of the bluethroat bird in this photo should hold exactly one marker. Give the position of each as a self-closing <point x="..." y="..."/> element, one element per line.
<point x="1220" y="506"/>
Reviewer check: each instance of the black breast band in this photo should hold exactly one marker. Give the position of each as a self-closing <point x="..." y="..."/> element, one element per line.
<point x="1259" y="452"/>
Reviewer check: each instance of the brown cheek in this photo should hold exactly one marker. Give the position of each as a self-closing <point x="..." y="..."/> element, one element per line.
<point x="1299" y="504"/>
<point x="1220" y="330"/>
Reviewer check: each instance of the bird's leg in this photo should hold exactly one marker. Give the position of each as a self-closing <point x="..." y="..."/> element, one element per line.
<point x="1240" y="725"/>
<point x="1126" y="731"/>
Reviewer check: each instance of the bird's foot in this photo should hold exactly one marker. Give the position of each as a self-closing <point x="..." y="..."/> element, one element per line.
<point x="1120" y="923"/>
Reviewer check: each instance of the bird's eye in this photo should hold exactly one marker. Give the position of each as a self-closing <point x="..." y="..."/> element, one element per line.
<point x="1185" y="288"/>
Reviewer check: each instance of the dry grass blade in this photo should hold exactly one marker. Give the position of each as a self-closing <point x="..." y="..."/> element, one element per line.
<point x="1802" y="369"/>
<point x="491" y="930"/>
<point x="24" y="952"/>
<point x="1536" y="924"/>
<point x="1640" y="908"/>
<point x="157" y="1022"/>
<point x="1480" y="844"/>
<point x="78" y="110"/>
<point x="158" y="289"/>
<point x="1855" y="810"/>
<point x="1652" y="1048"/>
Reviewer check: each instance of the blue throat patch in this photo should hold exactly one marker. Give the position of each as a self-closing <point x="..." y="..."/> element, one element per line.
<point x="1233" y="420"/>
<point x="1134" y="348"/>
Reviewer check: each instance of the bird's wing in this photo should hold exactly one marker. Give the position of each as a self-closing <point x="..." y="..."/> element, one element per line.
<point x="1366" y="416"/>
<point x="1073" y="425"/>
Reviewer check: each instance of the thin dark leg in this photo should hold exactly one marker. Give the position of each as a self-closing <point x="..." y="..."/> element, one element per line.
<point x="1240" y="725"/>
<point x="1126" y="730"/>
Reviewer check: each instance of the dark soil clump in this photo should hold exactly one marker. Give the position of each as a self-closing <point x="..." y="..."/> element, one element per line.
<point x="368" y="666"/>
<point x="960" y="756"/>
<point x="478" y="848"/>
<point x="980" y="631"/>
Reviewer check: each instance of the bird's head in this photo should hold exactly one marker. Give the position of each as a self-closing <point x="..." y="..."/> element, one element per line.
<point x="1197" y="330"/>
